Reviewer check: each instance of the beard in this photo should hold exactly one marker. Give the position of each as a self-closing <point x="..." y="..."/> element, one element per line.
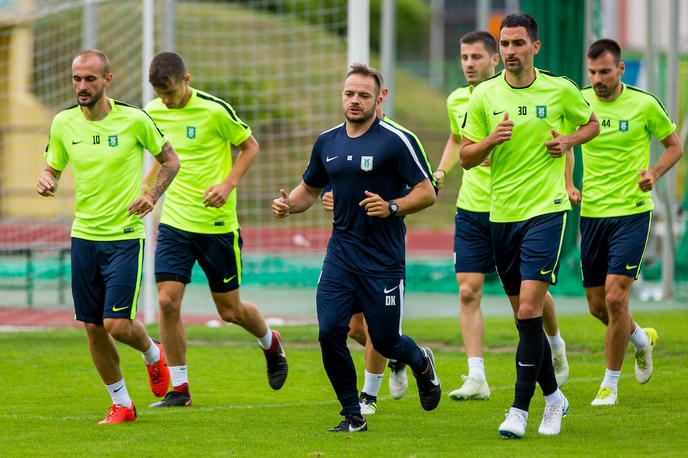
<point x="604" y="91"/>
<point x="514" y="66"/>
<point x="94" y="98"/>
<point x="362" y="118"/>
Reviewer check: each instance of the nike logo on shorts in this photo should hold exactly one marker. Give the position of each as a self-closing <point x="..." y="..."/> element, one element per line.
<point x="116" y="309"/>
<point x="631" y="267"/>
<point x="546" y="272"/>
<point x="387" y="291"/>
<point x="525" y="365"/>
<point x="328" y="158"/>
<point x="227" y="280"/>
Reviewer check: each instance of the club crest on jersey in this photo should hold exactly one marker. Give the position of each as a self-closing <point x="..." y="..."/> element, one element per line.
<point x="623" y="125"/>
<point x="366" y="163"/>
<point x="541" y="111"/>
<point x="113" y="141"/>
<point x="190" y="132"/>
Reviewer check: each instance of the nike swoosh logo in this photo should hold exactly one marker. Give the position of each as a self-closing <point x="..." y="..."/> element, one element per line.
<point x="525" y="365"/>
<point x="545" y="272"/>
<point x="497" y="112"/>
<point x="76" y="143"/>
<point x="115" y="391"/>
<point x="115" y="309"/>
<point x="328" y="158"/>
<point x="631" y="267"/>
<point x="227" y="280"/>
<point x="387" y="291"/>
<point x="353" y="429"/>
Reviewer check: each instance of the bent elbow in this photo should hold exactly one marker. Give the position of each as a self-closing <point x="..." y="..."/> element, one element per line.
<point x="465" y="162"/>
<point x="430" y="198"/>
<point x="176" y="164"/>
<point x="596" y="129"/>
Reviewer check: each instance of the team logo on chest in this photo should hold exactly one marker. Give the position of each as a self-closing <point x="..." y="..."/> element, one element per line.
<point x="541" y="111"/>
<point x="623" y="125"/>
<point x="113" y="141"/>
<point x="190" y="132"/>
<point x="366" y="163"/>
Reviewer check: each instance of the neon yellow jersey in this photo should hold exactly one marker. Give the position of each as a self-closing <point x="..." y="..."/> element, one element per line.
<point x="107" y="161"/>
<point x="474" y="193"/>
<point x="611" y="160"/>
<point x="526" y="181"/>
<point x="202" y="133"/>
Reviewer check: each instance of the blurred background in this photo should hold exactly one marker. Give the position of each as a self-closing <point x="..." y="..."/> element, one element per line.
<point x="280" y="64"/>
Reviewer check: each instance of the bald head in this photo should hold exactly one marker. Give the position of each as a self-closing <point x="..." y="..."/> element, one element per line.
<point x="88" y="55"/>
<point x="90" y="77"/>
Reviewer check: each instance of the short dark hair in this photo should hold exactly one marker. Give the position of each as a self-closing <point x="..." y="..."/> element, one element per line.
<point x="365" y="70"/>
<point x="605" y="45"/>
<point x="521" y="20"/>
<point x="166" y="67"/>
<point x="485" y="37"/>
<point x="101" y="55"/>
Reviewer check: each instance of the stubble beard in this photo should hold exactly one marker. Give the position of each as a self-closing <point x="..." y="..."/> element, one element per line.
<point x="364" y="117"/>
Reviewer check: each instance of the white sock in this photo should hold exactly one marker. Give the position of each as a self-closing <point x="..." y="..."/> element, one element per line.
<point x="611" y="379"/>
<point x="179" y="375"/>
<point x="372" y="383"/>
<point x="555" y="341"/>
<point x="638" y="338"/>
<point x="557" y="396"/>
<point x="476" y="367"/>
<point x="152" y="355"/>
<point x="265" y="342"/>
<point x="119" y="394"/>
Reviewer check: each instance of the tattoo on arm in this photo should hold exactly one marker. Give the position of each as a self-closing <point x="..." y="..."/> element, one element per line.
<point x="169" y="165"/>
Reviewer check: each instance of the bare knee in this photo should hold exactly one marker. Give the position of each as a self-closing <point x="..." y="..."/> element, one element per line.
<point x="231" y="312"/>
<point x="470" y="296"/>
<point x="357" y="329"/>
<point x="358" y="334"/>
<point x="94" y="331"/>
<point x="598" y="311"/>
<point x="470" y="289"/>
<point x="118" y="328"/>
<point x="169" y="307"/>
<point x="617" y="303"/>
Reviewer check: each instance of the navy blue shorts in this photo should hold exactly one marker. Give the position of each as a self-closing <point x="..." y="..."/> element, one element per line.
<point x="613" y="246"/>
<point x="472" y="242"/>
<point x="219" y="255"/>
<point x="106" y="278"/>
<point x="528" y="250"/>
<point x="342" y="293"/>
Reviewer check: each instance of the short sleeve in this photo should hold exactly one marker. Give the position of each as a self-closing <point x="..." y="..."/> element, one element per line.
<point x="453" y="119"/>
<point x="577" y="110"/>
<point x="411" y="162"/>
<point x="315" y="174"/>
<point x="474" y="126"/>
<point x="149" y="135"/>
<point x="230" y="127"/>
<point x="56" y="155"/>
<point x="658" y="122"/>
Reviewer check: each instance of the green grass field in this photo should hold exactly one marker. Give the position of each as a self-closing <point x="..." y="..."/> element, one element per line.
<point x="53" y="399"/>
